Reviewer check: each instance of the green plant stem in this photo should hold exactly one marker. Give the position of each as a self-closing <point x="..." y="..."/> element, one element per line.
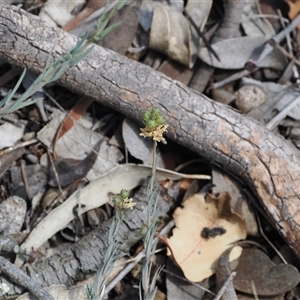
<point x="153" y="166"/>
<point x="149" y="237"/>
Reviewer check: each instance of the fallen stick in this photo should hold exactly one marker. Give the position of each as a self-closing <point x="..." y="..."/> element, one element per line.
<point x="266" y="163"/>
<point x="20" y="277"/>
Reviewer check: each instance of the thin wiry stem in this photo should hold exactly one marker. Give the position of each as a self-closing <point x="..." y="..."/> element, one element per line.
<point x="154" y="128"/>
<point x="153" y="166"/>
<point x="148" y="286"/>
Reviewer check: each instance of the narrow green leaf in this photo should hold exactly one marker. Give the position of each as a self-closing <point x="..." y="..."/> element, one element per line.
<point x="8" y="97"/>
<point x="81" y="56"/>
<point x="79" y="44"/>
<point x="15" y="106"/>
<point x="107" y="30"/>
<point x="5" y="99"/>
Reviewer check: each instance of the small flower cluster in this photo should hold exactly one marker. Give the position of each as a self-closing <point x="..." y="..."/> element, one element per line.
<point x="155" y="125"/>
<point x="122" y="201"/>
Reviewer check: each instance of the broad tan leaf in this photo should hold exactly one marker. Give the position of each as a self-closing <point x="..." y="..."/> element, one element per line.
<point x="170" y="34"/>
<point x="205" y="228"/>
<point x="294" y="9"/>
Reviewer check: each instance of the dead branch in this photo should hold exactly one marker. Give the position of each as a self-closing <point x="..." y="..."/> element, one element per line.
<point x="266" y="163"/>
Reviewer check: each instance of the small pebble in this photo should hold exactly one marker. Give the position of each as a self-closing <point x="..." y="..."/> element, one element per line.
<point x="249" y="97"/>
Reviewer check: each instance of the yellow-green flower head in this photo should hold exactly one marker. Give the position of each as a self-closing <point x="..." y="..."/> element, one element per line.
<point x="153" y="118"/>
<point x="122" y="201"/>
<point x="124" y="193"/>
<point x="155" y="125"/>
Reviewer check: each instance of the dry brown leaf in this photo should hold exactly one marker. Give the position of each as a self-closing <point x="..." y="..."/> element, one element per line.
<point x="90" y="7"/>
<point x="205" y="228"/>
<point x="269" y="279"/>
<point x="75" y="114"/>
<point x="294" y="9"/>
<point x="170" y="34"/>
<point x="71" y="170"/>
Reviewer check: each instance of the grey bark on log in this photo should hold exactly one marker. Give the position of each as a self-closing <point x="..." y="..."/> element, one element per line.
<point x="267" y="163"/>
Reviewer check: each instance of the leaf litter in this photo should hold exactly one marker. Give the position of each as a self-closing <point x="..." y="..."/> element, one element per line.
<point x="96" y="160"/>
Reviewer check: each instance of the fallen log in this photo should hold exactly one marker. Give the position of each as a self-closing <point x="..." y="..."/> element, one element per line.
<point x="268" y="164"/>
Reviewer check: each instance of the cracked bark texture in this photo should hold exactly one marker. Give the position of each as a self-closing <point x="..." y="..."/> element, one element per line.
<point x="267" y="163"/>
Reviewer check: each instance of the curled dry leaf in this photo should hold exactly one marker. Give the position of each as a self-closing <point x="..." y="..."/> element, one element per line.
<point x="205" y="228"/>
<point x="199" y="12"/>
<point x="239" y="204"/>
<point x="172" y="35"/>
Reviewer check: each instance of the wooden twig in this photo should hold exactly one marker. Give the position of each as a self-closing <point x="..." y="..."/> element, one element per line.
<point x="224" y="287"/>
<point x="21" y="278"/>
